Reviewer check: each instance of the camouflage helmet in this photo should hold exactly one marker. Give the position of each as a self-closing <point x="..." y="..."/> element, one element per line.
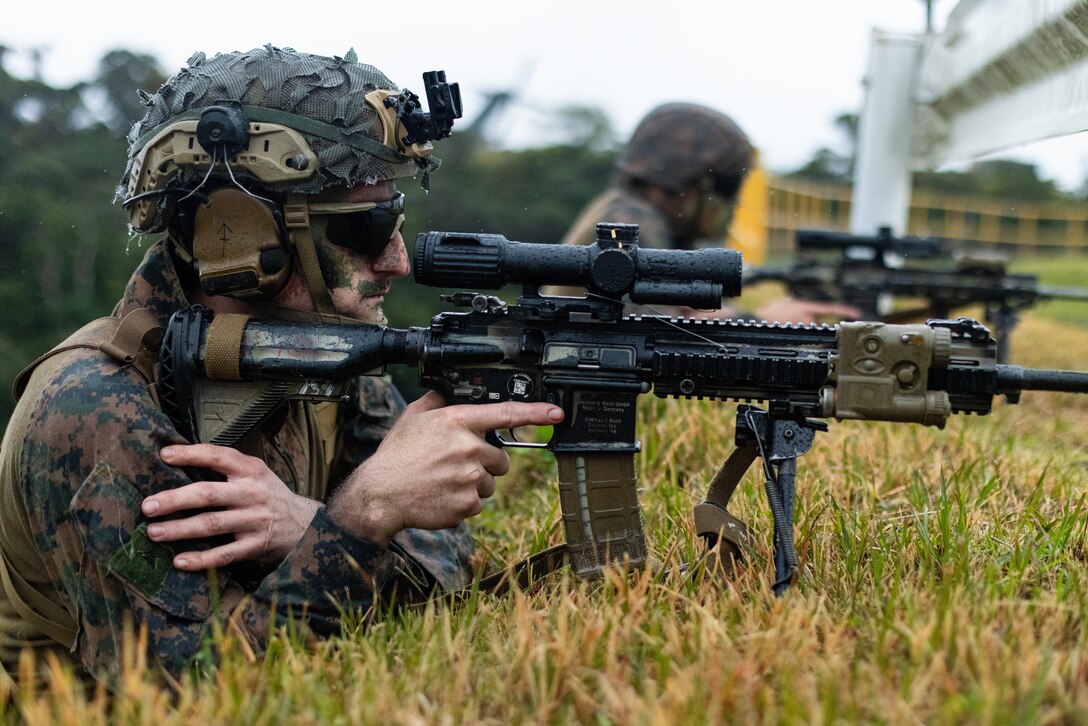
<point x="677" y="145"/>
<point x="323" y="98"/>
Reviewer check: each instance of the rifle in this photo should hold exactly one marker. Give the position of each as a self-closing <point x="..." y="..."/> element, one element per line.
<point x="586" y="356"/>
<point x="860" y="274"/>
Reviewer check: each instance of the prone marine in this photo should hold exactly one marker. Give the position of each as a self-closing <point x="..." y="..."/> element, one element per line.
<point x="273" y="174"/>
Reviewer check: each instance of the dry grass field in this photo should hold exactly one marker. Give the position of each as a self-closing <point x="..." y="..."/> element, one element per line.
<point x="942" y="579"/>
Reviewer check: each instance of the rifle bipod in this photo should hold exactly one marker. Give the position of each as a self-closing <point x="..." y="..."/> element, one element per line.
<point x="778" y="439"/>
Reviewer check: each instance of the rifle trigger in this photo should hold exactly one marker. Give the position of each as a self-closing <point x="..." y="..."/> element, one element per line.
<point x="495" y="438"/>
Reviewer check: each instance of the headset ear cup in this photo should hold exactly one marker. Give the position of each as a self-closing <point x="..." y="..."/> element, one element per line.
<point x="240" y="246"/>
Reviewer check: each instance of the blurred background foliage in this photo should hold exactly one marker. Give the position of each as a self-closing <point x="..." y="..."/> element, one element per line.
<point x="65" y="252"/>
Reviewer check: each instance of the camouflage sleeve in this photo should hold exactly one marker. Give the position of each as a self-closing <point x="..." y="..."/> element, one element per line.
<point x="617" y="204"/>
<point x="365" y="419"/>
<point x="653" y="230"/>
<point x="444" y="554"/>
<point x="621" y="205"/>
<point x="89" y="458"/>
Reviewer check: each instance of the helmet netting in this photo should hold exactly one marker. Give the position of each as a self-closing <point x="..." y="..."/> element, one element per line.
<point x="326" y="89"/>
<point x="678" y="144"/>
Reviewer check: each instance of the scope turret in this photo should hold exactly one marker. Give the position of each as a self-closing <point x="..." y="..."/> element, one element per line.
<point x="611" y="267"/>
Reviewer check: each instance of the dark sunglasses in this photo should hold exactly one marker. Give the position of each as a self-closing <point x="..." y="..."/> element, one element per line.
<point x="362" y="227"/>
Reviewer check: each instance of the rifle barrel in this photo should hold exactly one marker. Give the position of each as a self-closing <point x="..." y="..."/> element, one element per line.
<point x="1062" y="293"/>
<point x="1012" y="378"/>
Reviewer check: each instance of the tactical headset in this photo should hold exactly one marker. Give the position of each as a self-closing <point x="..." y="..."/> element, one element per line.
<point x="241" y="244"/>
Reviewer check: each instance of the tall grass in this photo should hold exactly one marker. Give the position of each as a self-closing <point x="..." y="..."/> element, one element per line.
<point x="942" y="579"/>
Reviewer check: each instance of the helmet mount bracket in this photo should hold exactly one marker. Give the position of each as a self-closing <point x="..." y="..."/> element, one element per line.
<point x="223" y="129"/>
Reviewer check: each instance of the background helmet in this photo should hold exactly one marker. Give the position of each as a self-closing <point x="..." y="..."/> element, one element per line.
<point x="340" y="139"/>
<point x="679" y="145"/>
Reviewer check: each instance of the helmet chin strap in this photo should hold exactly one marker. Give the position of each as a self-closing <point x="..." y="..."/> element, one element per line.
<point x="296" y="217"/>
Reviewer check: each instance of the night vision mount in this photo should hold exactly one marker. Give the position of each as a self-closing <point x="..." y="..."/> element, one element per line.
<point x="444" y="100"/>
<point x="224" y="128"/>
<point x="406" y="126"/>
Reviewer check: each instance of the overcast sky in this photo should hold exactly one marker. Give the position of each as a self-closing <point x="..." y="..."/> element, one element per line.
<point x="782" y="68"/>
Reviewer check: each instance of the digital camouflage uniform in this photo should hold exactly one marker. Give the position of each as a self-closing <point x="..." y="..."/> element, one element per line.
<point x="622" y="205"/>
<point x="82" y="452"/>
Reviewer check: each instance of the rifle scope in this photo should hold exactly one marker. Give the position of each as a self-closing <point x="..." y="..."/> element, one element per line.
<point x="611" y="267"/>
<point x="924" y="247"/>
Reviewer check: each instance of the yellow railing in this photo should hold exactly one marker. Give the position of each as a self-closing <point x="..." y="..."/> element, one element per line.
<point x="791" y="205"/>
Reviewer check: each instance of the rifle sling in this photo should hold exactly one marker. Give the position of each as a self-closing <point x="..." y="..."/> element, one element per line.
<point x="713" y="522"/>
<point x="224" y="349"/>
<point x="525" y="572"/>
<point x="732" y="470"/>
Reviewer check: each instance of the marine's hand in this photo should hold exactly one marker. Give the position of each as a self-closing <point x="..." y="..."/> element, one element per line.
<point x="792" y="310"/>
<point x="266" y="518"/>
<point x="433" y="469"/>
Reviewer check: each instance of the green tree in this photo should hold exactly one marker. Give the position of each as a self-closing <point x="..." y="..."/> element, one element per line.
<point x="65" y="247"/>
<point x="120" y="73"/>
<point x="998" y="178"/>
<point x="829" y="165"/>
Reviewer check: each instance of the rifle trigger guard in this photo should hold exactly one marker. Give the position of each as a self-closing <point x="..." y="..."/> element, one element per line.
<point x="495" y="438"/>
